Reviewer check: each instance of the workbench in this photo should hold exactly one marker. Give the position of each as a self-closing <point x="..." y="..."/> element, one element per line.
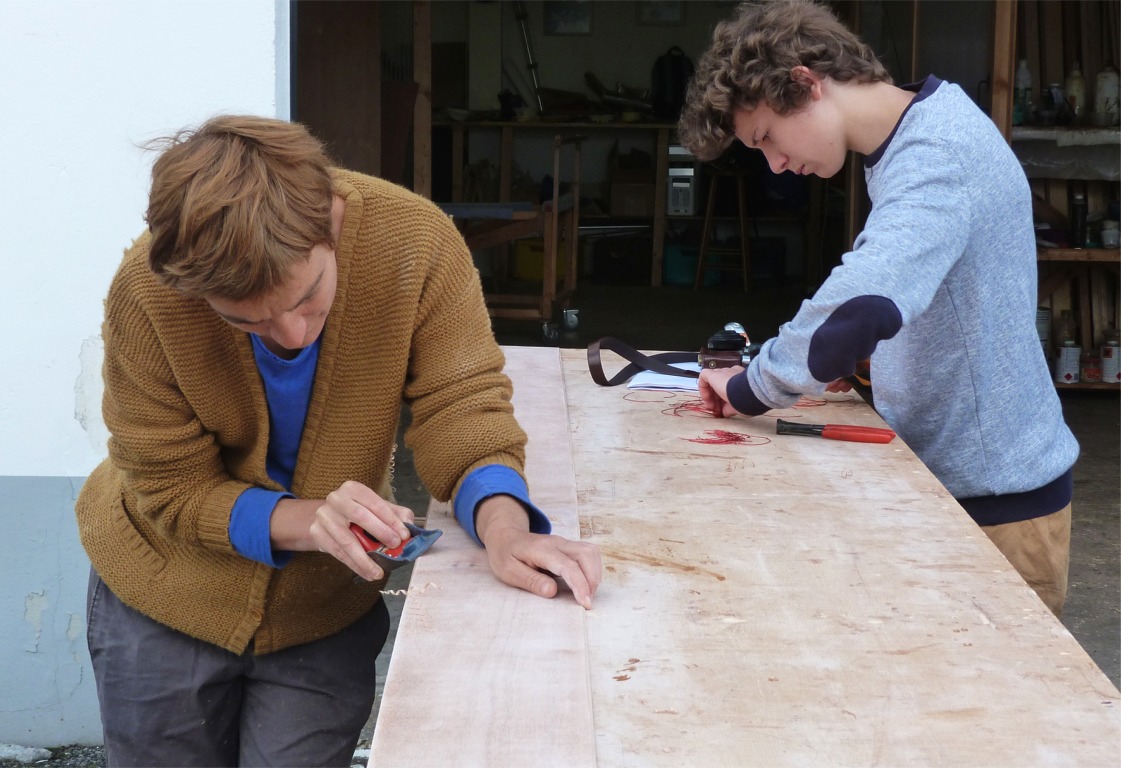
<point x="661" y="136"/>
<point x="796" y="601"/>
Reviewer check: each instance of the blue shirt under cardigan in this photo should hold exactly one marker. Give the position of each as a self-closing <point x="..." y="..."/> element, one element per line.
<point x="288" y="385"/>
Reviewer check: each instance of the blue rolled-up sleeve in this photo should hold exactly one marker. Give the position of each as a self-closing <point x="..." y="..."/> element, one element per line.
<point x="492" y="480"/>
<point x="249" y="526"/>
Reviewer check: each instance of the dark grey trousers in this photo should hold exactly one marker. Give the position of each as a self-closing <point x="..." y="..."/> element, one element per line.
<point x="168" y="699"/>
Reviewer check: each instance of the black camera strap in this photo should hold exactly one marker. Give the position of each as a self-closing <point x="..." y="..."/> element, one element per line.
<point x="658" y="363"/>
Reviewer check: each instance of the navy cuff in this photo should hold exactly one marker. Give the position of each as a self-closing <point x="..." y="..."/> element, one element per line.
<point x="742" y="398"/>
<point x="492" y="480"/>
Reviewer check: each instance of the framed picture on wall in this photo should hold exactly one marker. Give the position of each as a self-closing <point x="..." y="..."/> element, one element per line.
<point x="567" y="17"/>
<point x="659" y="13"/>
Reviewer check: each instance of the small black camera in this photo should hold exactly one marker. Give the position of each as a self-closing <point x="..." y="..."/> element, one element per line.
<point x="726" y="348"/>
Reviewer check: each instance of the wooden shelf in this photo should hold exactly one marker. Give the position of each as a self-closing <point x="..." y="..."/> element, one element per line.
<point x="1069" y="136"/>
<point x="1079" y="254"/>
<point x="551" y="124"/>
<point x="1096" y="385"/>
<point x="622" y="220"/>
<point x="1062" y="160"/>
<point x="762" y="217"/>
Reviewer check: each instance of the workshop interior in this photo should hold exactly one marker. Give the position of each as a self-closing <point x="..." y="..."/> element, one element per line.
<point x="789" y="588"/>
<point x="547" y="131"/>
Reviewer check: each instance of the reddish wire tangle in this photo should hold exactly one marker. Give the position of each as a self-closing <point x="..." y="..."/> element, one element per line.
<point x="696" y="407"/>
<point x="724" y="437"/>
<point x="814" y="402"/>
<point x="689" y="407"/>
<point x="810" y="402"/>
<point x="664" y="396"/>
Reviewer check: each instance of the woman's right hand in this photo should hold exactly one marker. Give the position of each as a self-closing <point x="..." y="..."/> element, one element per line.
<point x="324" y="526"/>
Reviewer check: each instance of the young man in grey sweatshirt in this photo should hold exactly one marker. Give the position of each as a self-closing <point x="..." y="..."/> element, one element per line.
<point x="939" y="290"/>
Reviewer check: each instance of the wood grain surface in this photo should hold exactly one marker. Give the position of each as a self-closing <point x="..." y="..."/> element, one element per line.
<point x="799" y="601"/>
<point x="483" y="674"/>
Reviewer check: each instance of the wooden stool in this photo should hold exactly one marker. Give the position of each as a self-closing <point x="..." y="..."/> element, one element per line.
<point x="706" y="237"/>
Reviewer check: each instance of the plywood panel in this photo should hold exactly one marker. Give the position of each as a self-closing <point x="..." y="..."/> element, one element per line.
<point x="483" y="674"/>
<point x="795" y="602"/>
<point x="807" y="602"/>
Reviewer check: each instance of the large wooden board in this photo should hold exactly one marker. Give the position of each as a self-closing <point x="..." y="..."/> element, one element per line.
<point x="809" y="602"/>
<point x="797" y="602"/>
<point x="483" y="674"/>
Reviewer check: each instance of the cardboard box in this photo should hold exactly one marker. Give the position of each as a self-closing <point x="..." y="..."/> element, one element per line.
<point x="632" y="198"/>
<point x="631" y="177"/>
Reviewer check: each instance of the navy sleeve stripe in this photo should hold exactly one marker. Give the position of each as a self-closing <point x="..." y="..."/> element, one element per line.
<point x="850" y="335"/>
<point x="742" y="398"/>
<point x="1015" y="507"/>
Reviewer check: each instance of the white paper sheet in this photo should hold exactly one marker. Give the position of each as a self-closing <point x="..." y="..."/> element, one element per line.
<point x="661" y="381"/>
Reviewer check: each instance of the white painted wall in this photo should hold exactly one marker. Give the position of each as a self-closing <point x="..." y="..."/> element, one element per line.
<point x="82" y="84"/>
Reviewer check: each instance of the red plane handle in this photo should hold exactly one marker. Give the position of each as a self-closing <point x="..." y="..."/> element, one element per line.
<point x="370" y="544"/>
<point x="857" y="434"/>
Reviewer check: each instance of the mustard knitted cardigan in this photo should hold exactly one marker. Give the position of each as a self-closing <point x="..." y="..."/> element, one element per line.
<point x="189" y="423"/>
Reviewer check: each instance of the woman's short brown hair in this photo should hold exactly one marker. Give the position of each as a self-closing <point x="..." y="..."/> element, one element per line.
<point x="235" y="203"/>
<point x="751" y="59"/>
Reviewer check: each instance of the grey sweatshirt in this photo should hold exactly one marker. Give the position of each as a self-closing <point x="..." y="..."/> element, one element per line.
<point x="940" y="291"/>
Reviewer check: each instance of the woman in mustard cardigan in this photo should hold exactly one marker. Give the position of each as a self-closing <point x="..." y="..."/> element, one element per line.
<point x="260" y="338"/>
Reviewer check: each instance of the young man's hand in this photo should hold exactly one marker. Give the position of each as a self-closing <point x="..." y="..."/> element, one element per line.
<point x="713" y="388"/>
<point x="530" y="561"/>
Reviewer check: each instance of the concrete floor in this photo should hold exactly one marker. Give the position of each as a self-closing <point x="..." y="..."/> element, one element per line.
<point x="681" y="319"/>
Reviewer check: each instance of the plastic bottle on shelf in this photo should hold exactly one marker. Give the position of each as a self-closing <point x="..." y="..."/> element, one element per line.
<point x="1078" y="221"/>
<point x="1075" y="89"/>
<point x="1064" y="329"/>
<point x="1021" y="101"/>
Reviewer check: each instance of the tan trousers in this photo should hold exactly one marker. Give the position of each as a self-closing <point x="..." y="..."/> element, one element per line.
<point x="1039" y="549"/>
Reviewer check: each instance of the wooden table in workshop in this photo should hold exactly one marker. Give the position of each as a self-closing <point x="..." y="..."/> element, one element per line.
<point x="661" y="131"/>
<point x="799" y="602"/>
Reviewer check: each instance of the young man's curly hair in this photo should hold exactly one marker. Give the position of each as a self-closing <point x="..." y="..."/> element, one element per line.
<point x="750" y="61"/>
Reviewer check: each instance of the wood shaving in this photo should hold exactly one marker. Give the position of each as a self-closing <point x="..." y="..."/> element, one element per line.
<point x="409" y="591"/>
